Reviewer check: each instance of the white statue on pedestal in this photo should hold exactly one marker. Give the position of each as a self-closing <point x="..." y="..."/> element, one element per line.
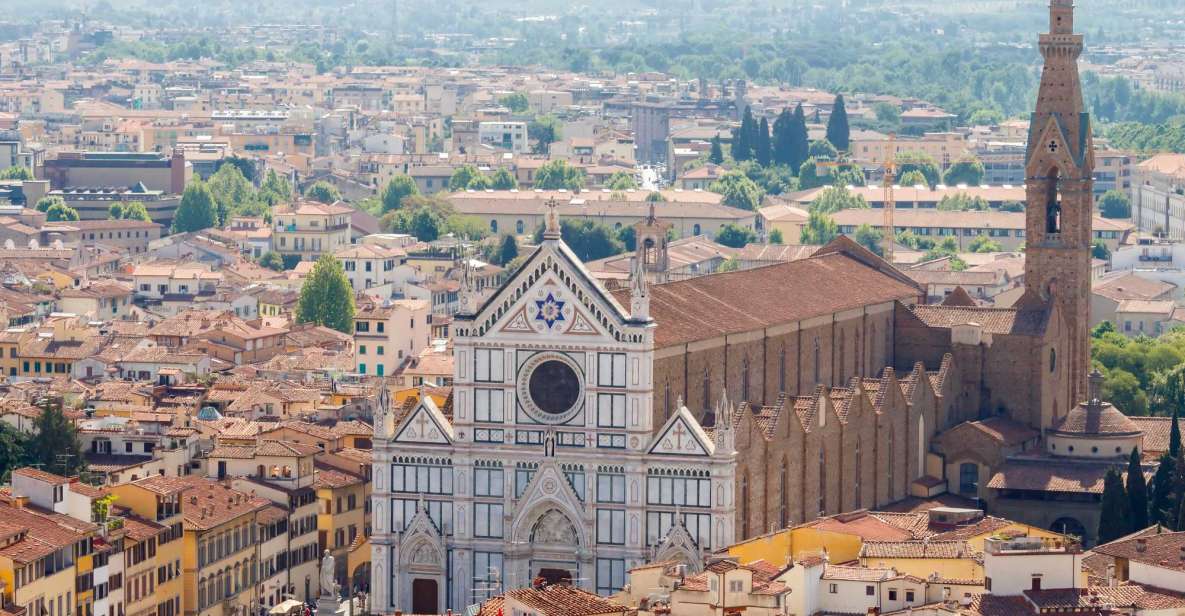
<point x="329" y="585"/>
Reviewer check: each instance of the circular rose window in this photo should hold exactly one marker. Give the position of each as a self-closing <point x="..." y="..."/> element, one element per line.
<point x="550" y="388"/>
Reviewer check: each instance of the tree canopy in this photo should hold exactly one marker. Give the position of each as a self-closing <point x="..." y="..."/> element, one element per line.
<point x="397" y="189"/>
<point x="1115" y="204"/>
<point x="326" y="297"/>
<point x="735" y="236"/>
<point x="737" y="190"/>
<point x="323" y="191"/>
<point x="557" y="174"/>
<point x="588" y="239"/>
<point x="197" y="210"/>
<point x="838" y="131"/>
<point x="967" y="171"/>
<point x="55" y="444"/>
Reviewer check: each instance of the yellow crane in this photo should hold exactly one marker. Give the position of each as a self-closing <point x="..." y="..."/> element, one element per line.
<point x="888" y="230"/>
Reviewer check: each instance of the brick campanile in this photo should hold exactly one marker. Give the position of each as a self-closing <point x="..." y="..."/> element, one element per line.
<point x="1059" y="194"/>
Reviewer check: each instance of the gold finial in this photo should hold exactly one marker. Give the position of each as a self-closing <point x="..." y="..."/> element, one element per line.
<point x="551" y="229"/>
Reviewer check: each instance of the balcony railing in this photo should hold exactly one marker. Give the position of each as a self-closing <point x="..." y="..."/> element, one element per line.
<point x="1156" y="258"/>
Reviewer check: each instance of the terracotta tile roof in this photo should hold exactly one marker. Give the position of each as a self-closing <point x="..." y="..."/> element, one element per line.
<point x="993" y="320"/>
<point x="1005" y="431"/>
<point x="1091" y="419"/>
<point x="915" y="549"/>
<point x="1156" y="432"/>
<point x="353" y="428"/>
<point x="162" y="484"/>
<point x="994" y="605"/>
<point x="866" y="526"/>
<point x="334" y="478"/>
<point x="207" y="504"/>
<point x="1048" y="475"/>
<point x="40" y="475"/>
<point x="1164" y="550"/>
<point x="1127" y="285"/>
<point x="855" y="574"/>
<point x="706" y="307"/>
<point x="140" y="529"/>
<point x="559" y="600"/>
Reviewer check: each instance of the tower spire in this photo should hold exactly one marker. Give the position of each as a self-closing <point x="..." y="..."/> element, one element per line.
<point x="639" y="291"/>
<point x="1059" y="195"/>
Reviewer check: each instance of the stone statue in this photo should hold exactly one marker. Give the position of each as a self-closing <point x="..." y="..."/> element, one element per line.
<point x="328" y="583"/>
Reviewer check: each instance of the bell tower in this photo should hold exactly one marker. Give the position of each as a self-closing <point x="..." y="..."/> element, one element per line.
<point x="1059" y="193"/>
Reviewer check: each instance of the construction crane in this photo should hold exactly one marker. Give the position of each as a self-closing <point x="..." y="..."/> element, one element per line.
<point x="888" y="230"/>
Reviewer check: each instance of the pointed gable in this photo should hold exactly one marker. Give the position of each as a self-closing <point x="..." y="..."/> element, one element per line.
<point x="425" y="424"/>
<point x="682" y="436"/>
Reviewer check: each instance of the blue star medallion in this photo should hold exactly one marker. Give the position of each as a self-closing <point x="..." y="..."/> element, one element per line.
<point x="550" y="310"/>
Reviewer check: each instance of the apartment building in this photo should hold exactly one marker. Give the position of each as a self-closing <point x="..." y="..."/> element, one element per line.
<point x="1158" y="195"/>
<point x="370" y="265"/>
<point x="510" y="136"/>
<point x="307" y="229"/>
<point x="871" y="148"/>
<point x="385" y="335"/>
<point x="157" y="280"/>
<point x="344" y="515"/>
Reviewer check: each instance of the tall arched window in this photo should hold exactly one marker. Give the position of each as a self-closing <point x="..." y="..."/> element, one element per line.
<point x="666" y="402"/>
<point x="707" y="389"/>
<point x="695" y="229"/>
<point x="783" y="497"/>
<point x="843" y="357"/>
<point x="969" y="478"/>
<point x="822" y="480"/>
<point x="858" y="473"/>
<point x="892" y="465"/>
<point x="744" y="506"/>
<point x="782" y="370"/>
<point x="1053" y="206"/>
<point x="493" y="226"/>
<point x="745" y="379"/>
<point x="518" y="227"/>
<point x="816" y="360"/>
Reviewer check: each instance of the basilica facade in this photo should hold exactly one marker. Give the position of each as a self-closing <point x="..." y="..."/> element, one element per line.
<point x="590" y="431"/>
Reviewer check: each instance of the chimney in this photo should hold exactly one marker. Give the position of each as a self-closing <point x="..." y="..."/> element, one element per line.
<point x="1141" y="545"/>
<point x="1183" y="553"/>
<point x="177" y="171"/>
<point x="1111" y="575"/>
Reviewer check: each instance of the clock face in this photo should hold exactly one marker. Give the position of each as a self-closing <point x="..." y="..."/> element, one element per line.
<point x="551" y="387"/>
<point x="554" y="387"/>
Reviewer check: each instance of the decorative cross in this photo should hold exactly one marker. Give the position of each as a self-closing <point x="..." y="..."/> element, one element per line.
<point x="679" y="433"/>
<point x="1052" y="146"/>
<point x="421" y="422"/>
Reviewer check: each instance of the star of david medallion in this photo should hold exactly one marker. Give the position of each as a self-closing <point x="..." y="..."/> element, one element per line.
<point x="551" y="310"/>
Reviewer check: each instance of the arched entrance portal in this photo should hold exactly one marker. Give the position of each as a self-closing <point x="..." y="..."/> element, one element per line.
<point x="554" y="542"/>
<point x="360" y="580"/>
<point x="423" y="596"/>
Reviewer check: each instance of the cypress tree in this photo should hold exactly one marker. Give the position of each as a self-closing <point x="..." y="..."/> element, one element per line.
<point x="1113" y="520"/>
<point x="1174" y="436"/>
<point x="838" y="132"/>
<point x="1137" y="492"/>
<point x="1160" y="499"/>
<point x="1174" y="519"/>
<point x="761" y="145"/>
<point x="716" y="155"/>
<point x="782" y="147"/>
<point x="800" y="144"/>
<point x="742" y="144"/>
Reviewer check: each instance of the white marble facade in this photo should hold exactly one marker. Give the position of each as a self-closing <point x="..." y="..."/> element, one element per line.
<point x="547" y="464"/>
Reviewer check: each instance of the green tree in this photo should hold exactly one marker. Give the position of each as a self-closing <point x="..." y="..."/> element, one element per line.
<point x="921" y="162"/>
<point x="60" y="212"/>
<point x="742" y="137"/>
<point x="323" y="192"/>
<point x="621" y="180"/>
<point x="233" y="193"/>
<point x="326" y="297"/>
<point x="735" y="236"/>
<point x="1160" y="501"/>
<point x="716" y="154"/>
<point x="55" y="443"/>
<point x="781" y="141"/>
<point x="543" y="130"/>
<point x="762" y="151"/>
<point x="275" y="189"/>
<point x="1115" y="204"/>
<point x="912" y="177"/>
<point x="967" y="170"/>
<point x="135" y="210"/>
<point x="589" y="240"/>
<point x="1012" y="206"/>
<point x="983" y="243"/>
<point x="43" y="204"/>
<point x="272" y="261"/>
<point x="516" y="102"/>
<point x="960" y="202"/>
<point x="838" y="132"/>
<point x="888" y="115"/>
<point x="835" y="198"/>
<point x="655" y="197"/>
<point x="508" y="250"/>
<point x="1123" y="389"/>
<point x="799" y="140"/>
<point x="1099" y="250"/>
<point x="775" y="237"/>
<point x="399" y="188"/>
<point x="737" y="191"/>
<point x="1115" y="509"/>
<point x="462" y="177"/>
<point x="16" y="173"/>
<point x="14" y="450"/>
<point x="1137" y="492"/>
<point x="503" y="179"/>
<point x="948" y="248"/>
<point x="557" y="174"/>
<point x="823" y="149"/>
<point x="246" y="166"/>
<point x="197" y="210"/>
<point x="808" y="175"/>
<point x="1175" y="434"/>
<point x="870" y="238"/>
<point x="819" y="229"/>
